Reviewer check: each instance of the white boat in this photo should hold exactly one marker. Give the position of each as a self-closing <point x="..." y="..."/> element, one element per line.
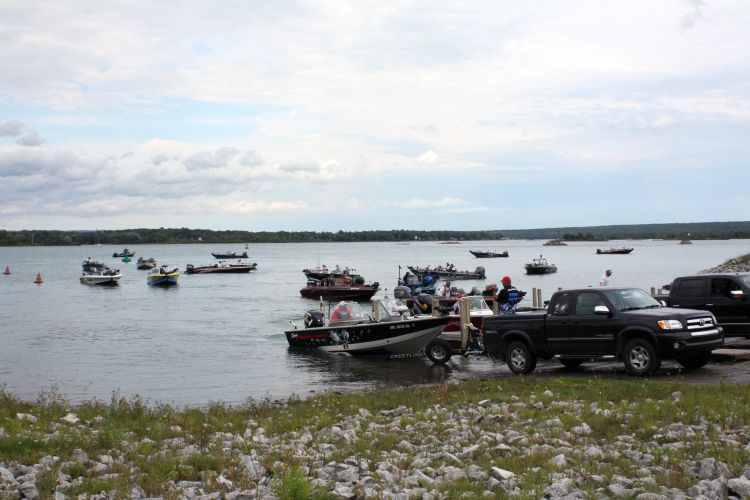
<point x="389" y="330"/>
<point x="106" y="276"/>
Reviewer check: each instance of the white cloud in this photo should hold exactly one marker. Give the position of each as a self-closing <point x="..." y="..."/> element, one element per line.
<point x="428" y="157"/>
<point x="31" y="139"/>
<point x="11" y="128"/>
<point x="253" y="105"/>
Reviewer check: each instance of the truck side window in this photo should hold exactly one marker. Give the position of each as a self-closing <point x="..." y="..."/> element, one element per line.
<point x="563" y="305"/>
<point x="586" y="302"/>
<point x="720" y="287"/>
<point x="690" y="288"/>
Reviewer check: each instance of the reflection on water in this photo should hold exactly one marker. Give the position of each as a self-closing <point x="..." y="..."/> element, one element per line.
<point x="220" y="337"/>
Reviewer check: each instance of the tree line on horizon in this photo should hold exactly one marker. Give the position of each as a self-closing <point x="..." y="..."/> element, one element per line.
<point x="143" y="236"/>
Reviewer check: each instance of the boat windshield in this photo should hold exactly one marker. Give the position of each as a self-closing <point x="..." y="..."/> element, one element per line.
<point x="389" y="309"/>
<point x="347" y="311"/>
<point x="477" y="304"/>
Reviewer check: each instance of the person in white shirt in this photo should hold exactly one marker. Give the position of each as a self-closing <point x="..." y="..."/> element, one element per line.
<point x="606" y="279"/>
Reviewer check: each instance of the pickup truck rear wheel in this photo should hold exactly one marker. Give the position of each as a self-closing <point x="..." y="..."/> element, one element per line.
<point x="520" y="358"/>
<point x="696" y="361"/>
<point x="641" y="358"/>
<point x="439" y="351"/>
<point x="571" y="362"/>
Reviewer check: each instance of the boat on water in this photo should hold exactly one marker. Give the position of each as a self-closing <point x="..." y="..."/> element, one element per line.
<point x="449" y="272"/>
<point x="230" y="255"/>
<point x="418" y="284"/>
<point x="96" y="273"/>
<point x="148" y="263"/>
<point x="388" y="330"/>
<point x="163" y="276"/>
<point x="614" y="251"/>
<point x="487" y="255"/>
<point x="686" y="242"/>
<point x="221" y="267"/>
<point x="540" y="266"/>
<point x="90" y="264"/>
<point x="124" y="253"/>
<point x="340" y="288"/>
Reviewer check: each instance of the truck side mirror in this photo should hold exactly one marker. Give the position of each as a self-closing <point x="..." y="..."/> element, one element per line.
<point x="601" y="310"/>
<point x="736" y="294"/>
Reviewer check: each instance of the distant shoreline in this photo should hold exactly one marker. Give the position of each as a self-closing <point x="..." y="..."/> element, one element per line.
<point x="144" y="236"/>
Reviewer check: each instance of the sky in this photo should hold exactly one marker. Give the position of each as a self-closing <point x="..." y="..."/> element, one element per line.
<point x="357" y="115"/>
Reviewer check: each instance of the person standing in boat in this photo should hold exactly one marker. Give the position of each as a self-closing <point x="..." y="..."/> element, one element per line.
<point x="508" y="297"/>
<point x="606" y="279"/>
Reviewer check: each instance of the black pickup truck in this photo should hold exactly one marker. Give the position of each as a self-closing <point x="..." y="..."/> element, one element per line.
<point x="726" y="295"/>
<point x="591" y="323"/>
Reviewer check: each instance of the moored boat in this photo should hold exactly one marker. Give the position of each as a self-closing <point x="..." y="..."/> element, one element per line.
<point x="339" y="290"/>
<point x="614" y="251"/>
<point x="148" y="263"/>
<point x="103" y="276"/>
<point x="221" y="267"/>
<point x="230" y="255"/>
<point x="90" y="264"/>
<point x="163" y="276"/>
<point x="124" y="253"/>
<point x="488" y="255"/>
<point x="540" y="266"/>
<point x="449" y="272"/>
<point x="388" y="330"/>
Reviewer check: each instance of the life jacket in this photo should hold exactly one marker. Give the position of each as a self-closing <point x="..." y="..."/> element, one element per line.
<point x="510" y="306"/>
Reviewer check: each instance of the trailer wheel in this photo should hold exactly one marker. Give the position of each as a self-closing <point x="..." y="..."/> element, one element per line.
<point x="641" y="358"/>
<point x="439" y="351"/>
<point x="696" y="361"/>
<point x="520" y="358"/>
<point x="571" y="362"/>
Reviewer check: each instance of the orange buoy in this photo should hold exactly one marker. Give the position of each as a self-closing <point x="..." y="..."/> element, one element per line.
<point x="7" y="270"/>
<point x="38" y="279"/>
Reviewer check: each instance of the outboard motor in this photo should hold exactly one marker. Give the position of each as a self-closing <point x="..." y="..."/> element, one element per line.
<point x="480" y="271"/>
<point x="313" y="319"/>
<point x="189" y="269"/>
<point x="424" y="302"/>
<point x="475" y="291"/>
<point x="401" y="292"/>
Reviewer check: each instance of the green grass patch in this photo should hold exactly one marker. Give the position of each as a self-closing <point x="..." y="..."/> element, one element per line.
<point x="641" y="410"/>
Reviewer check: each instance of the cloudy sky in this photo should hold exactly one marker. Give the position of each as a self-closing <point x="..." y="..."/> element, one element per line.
<point x="327" y="115"/>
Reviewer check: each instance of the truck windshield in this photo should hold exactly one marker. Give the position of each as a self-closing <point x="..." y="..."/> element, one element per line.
<point x="630" y="299"/>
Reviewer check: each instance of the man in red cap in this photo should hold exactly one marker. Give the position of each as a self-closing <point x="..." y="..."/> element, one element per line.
<point x="508" y="298"/>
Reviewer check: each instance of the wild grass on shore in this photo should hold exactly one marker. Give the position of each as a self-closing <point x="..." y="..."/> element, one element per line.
<point x="146" y="444"/>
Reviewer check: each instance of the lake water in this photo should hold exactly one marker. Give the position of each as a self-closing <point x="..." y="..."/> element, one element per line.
<point x="221" y="337"/>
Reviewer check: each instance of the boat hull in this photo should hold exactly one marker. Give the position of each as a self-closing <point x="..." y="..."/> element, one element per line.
<point x="448" y="275"/>
<point x="216" y="269"/>
<point x="488" y="255"/>
<point x="101" y="280"/>
<point x="614" y="251"/>
<point x="232" y="255"/>
<point x="370" y="338"/>
<point x="339" y="292"/>
<point x="541" y="269"/>
<point x="169" y="279"/>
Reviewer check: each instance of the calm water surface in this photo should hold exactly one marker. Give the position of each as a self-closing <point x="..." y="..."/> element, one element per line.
<point x="220" y="337"/>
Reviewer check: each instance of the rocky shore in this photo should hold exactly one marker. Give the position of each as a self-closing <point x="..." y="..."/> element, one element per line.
<point x="563" y="439"/>
<point x="739" y="264"/>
